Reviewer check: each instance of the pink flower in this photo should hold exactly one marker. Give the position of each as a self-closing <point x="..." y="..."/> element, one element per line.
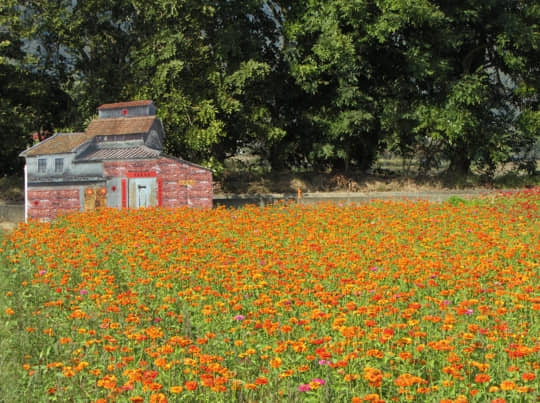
<point x="239" y="317"/>
<point x="319" y="381"/>
<point x="304" y="387"/>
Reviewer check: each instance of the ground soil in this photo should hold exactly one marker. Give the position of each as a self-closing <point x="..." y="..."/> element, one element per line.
<point x="6" y="226"/>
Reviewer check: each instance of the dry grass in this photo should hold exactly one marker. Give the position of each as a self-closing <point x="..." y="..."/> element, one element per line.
<point x="387" y="174"/>
<point x="249" y="183"/>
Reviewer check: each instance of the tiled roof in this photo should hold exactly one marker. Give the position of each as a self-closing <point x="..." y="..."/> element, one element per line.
<point x="125" y="104"/>
<point x="129" y="153"/>
<point x="58" y="144"/>
<point x="116" y="126"/>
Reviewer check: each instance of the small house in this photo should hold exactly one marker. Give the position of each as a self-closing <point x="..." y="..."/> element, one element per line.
<point x="117" y="162"/>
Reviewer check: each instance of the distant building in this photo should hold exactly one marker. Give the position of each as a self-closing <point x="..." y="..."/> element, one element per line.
<point x="117" y="162"/>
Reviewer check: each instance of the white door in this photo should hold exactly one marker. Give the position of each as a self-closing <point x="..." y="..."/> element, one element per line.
<point x="142" y="192"/>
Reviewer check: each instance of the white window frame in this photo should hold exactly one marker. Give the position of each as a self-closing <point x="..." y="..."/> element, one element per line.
<point x="58" y="165"/>
<point x="42" y="165"/>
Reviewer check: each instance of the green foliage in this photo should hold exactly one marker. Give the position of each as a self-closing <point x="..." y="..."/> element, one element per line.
<point x="469" y="104"/>
<point x="11" y="188"/>
<point x="32" y="100"/>
<point x="318" y="84"/>
<point x="456" y="201"/>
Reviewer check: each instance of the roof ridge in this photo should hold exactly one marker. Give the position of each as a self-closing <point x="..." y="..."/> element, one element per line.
<point x="60" y="143"/>
<point x="127" y="117"/>
<point x="126" y="104"/>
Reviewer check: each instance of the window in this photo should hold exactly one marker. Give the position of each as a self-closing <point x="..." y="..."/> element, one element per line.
<point x="58" y="165"/>
<point x="42" y="165"/>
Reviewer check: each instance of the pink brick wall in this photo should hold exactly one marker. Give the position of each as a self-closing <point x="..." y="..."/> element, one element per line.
<point x="48" y="203"/>
<point x="182" y="183"/>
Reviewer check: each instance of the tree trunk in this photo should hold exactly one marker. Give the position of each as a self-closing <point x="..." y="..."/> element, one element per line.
<point x="460" y="163"/>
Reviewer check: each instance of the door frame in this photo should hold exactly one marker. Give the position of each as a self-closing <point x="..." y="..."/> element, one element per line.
<point x="141" y="174"/>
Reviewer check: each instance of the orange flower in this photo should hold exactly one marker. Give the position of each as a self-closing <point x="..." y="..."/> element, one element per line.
<point x="108" y="382"/>
<point x="286" y="329"/>
<point x="351" y="377"/>
<point x="405" y="380"/>
<point x="158" y="398"/>
<point x="482" y="378"/>
<point x="68" y="371"/>
<point x="405" y="355"/>
<point x="276" y="362"/>
<point x="287" y="373"/>
<point x="507" y="385"/>
<point x="528" y="376"/>
<point x="374" y="376"/>
<point x="154" y="386"/>
<point x="190" y="385"/>
<point x="372" y="397"/>
<point x="375" y="353"/>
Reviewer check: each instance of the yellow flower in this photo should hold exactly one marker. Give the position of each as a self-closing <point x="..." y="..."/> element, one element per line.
<point x="507" y="385"/>
<point x="276" y="362"/>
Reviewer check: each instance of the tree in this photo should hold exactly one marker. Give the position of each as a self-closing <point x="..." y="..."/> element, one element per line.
<point x="316" y="83"/>
<point x="454" y="79"/>
<point x="31" y="100"/>
<point x="84" y="46"/>
<point x="210" y="67"/>
<point x="474" y="73"/>
<point x="331" y="63"/>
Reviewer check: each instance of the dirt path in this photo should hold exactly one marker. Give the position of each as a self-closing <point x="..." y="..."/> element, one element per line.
<point x="7" y="226"/>
<point x="348" y="197"/>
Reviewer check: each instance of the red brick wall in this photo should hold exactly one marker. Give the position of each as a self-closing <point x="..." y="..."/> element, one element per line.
<point x="121" y="168"/>
<point x="48" y="203"/>
<point x="182" y="183"/>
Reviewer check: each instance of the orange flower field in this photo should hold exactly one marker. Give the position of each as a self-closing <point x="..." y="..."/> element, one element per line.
<point x="383" y="301"/>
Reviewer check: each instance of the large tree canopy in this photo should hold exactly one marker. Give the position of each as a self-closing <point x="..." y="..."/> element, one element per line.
<point x="315" y="83"/>
<point x="455" y="79"/>
<point x="31" y="99"/>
